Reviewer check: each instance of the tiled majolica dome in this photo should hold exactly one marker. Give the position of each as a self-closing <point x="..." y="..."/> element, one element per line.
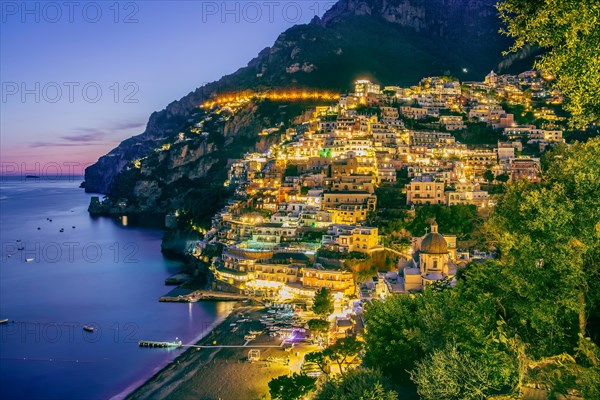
<point x="434" y="243"/>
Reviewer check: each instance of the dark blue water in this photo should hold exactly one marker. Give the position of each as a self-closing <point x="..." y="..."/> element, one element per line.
<point x="99" y="273"/>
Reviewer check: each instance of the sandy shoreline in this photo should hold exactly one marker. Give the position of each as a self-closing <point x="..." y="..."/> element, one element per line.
<point x="220" y="373"/>
<point x="139" y="384"/>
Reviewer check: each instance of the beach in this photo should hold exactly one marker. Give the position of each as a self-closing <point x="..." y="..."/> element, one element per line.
<point x="225" y="373"/>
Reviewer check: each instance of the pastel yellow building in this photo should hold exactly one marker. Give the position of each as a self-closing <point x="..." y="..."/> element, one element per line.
<point x="349" y="238"/>
<point x="254" y="270"/>
<point x="337" y="281"/>
<point x="348" y="214"/>
<point x="332" y="200"/>
<point x="425" y="190"/>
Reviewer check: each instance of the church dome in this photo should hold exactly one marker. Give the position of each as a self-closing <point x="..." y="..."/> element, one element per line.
<point x="434" y="243"/>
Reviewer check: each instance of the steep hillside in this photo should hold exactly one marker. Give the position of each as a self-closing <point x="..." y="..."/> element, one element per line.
<point x="390" y="41"/>
<point x="186" y="172"/>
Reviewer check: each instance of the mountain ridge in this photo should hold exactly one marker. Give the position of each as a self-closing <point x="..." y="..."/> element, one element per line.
<point x="421" y="38"/>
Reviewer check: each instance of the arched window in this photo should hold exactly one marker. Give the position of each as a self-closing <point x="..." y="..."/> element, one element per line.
<point x="435" y="264"/>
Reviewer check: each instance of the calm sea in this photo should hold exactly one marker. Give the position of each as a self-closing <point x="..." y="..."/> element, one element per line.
<point x="97" y="272"/>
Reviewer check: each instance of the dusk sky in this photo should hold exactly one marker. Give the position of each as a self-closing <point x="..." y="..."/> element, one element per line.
<point x="140" y="55"/>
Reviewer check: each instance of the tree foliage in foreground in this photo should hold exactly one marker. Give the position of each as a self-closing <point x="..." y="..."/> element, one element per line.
<point x="343" y="351"/>
<point x="357" y="384"/>
<point x="291" y="387"/>
<point x="323" y="302"/>
<point x="318" y="325"/>
<point x="517" y="321"/>
<point x="570" y="30"/>
<point x="450" y="374"/>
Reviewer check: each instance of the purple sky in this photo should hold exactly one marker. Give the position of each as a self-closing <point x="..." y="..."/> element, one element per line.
<point x="56" y="58"/>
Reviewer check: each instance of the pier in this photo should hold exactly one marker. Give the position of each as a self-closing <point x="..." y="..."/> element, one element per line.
<point x="178" y="344"/>
<point x="189" y="296"/>
<point x="150" y="343"/>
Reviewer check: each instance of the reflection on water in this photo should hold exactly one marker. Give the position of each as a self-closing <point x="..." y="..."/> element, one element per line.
<point x="85" y="271"/>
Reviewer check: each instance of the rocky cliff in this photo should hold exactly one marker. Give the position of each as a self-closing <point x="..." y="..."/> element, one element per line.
<point x="187" y="171"/>
<point x="390" y="41"/>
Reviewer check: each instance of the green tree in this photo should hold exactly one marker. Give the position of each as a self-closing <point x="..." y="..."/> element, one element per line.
<point x="318" y="326"/>
<point x="290" y="170"/>
<point x="291" y="387"/>
<point x="448" y="374"/>
<point x="488" y="175"/>
<point x="547" y="231"/>
<point x="503" y="178"/>
<point x="392" y="340"/>
<point x="519" y="319"/>
<point x="320" y="359"/>
<point x="570" y="30"/>
<point x="323" y="302"/>
<point x="577" y="169"/>
<point x="461" y="220"/>
<point x="357" y="384"/>
<point x="343" y="351"/>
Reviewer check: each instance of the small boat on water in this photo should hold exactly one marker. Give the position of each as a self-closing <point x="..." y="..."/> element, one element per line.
<point x="62" y="229"/>
<point x="3" y="321"/>
<point x="29" y="259"/>
<point x="88" y="328"/>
